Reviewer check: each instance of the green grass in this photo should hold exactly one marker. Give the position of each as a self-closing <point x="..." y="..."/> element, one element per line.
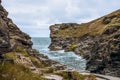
<point x="17" y="50"/>
<point x="63" y="74"/>
<point x="21" y="49"/>
<point x="73" y="46"/>
<point x="93" y="28"/>
<point x="9" y="71"/>
<point x="79" y="76"/>
<point x="36" y="62"/>
<point x="48" y="70"/>
<point x="11" y="55"/>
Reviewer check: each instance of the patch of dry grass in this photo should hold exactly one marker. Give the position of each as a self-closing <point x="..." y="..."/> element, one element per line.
<point x="93" y="28"/>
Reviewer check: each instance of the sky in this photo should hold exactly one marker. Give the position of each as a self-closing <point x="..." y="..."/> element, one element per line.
<point x="35" y="16"/>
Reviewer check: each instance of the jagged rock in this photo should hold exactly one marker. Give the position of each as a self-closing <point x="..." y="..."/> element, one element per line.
<point x="10" y="34"/>
<point x="97" y="41"/>
<point x="18" y="61"/>
<point x="4" y="35"/>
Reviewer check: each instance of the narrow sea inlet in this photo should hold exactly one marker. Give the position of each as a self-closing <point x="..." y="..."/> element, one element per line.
<point x="70" y="59"/>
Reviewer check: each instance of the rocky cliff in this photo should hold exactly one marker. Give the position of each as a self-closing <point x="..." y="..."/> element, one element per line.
<point x="18" y="61"/>
<point x="10" y="34"/>
<point x="97" y="41"/>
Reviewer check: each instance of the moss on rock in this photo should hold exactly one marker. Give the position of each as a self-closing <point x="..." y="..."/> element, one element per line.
<point x="73" y="46"/>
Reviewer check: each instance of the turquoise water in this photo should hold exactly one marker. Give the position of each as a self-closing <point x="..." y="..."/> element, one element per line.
<point x="68" y="58"/>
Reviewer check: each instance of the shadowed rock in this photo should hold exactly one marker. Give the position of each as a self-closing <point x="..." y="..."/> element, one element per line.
<point x="10" y="34"/>
<point x="97" y="41"/>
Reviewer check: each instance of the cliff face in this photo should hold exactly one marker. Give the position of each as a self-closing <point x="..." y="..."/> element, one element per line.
<point x="10" y="34"/>
<point x="18" y="61"/>
<point x="97" y="41"/>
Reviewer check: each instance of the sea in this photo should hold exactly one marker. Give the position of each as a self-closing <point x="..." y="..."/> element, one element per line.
<point x="70" y="59"/>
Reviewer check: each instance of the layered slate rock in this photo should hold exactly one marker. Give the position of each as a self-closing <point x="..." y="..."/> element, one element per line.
<point x="97" y="41"/>
<point x="4" y="33"/>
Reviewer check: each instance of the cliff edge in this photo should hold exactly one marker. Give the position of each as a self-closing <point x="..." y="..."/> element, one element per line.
<point x="18" y="61"/>
<point x="98" y="41"/>
<point x="10" y="35"/>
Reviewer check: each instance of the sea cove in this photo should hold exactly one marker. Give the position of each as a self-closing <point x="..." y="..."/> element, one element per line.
<point x="70" y="59"/>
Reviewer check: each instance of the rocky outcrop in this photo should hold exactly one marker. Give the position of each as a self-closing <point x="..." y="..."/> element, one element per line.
<point x="4" y="34"/>
<point x="10" y="34"/>
<point x="17" y="58"/>
<point x="97" y="41"/>
<point x="18" y="61"/>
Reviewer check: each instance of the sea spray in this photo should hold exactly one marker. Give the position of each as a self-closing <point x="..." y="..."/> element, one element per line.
<point x="68" y="58"/>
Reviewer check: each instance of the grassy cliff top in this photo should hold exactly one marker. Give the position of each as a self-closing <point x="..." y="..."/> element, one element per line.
<point x="93" y="28"/>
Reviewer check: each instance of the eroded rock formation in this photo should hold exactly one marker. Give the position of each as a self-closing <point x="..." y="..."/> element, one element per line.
<point x="18" y="61"/>
<point x="10" y="34"/>
<point x="97" y="41"/>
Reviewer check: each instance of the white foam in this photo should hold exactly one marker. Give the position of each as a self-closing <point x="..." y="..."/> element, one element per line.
<point x="68" y="58"/>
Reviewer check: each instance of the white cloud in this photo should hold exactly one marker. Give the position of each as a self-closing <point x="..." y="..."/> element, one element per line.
<point x="71" y="9"/>
<point x="35" y="17"/>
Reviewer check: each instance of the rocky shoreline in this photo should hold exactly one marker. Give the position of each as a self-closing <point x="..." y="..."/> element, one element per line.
<point x="18" y="61"/>
<point x="97" y="41"/>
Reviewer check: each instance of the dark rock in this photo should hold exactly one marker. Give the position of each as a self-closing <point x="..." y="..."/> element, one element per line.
<point x="106" y="20"/>
<point x="97" y="41"/>
<point x="10" y="34"/>
<point x="4" y="37"/>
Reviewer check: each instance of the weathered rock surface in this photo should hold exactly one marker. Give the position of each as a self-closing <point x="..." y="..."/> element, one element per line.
<point x="18" y="61"/>
<point x="17" y="58"/>
<point x="10" y="34"/>
<point x="97" y="41"/>
<point x="21" y="62"/>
